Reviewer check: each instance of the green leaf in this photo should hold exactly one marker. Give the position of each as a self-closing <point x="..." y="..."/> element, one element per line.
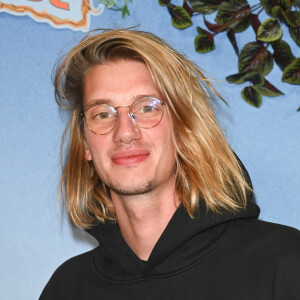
<point x="269" y="31"/>
<point x="180" y="17"/>
<point x="236" y="78"/>
<point x="282" y="55"/>
<point x="291" y="73"/>
<point x="295" y="34"/>
<point x="255" y="57"/>
<point x="292" y="18"/>
<point x="241" y="26"/>
<point x="232" y="10"/>
<point x="125" y="11"/>
<point x="234" y="14"/>
<point x="278" y="13"/>
<point x="164" y="2"/>
<point x="298" y="108"/>
<point x="204" y="41"/>
<point x="267" y="5"/>
<point x="204" y="6"/>
<point x="284" y="4"/>
<point x="267" y="89"/>
<point x="254" y="77"/>
<point x="252" y="96"/>
<point x="109" y="3"/>
<point x="200" y="30"/>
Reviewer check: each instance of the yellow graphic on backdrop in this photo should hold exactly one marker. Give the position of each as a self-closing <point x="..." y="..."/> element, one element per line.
<point x="72" y="14"/>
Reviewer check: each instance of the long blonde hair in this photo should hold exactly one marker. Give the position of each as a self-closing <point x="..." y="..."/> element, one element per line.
<point x="206" y="167"/>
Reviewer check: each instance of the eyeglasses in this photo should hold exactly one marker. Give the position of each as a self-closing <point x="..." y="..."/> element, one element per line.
<point x="145" y="112"/>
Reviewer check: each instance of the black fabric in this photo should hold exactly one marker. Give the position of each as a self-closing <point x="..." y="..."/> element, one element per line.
<point x="227" y="256"/>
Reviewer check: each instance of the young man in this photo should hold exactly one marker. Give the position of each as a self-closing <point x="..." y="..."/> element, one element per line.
<point x="150" y="175"/>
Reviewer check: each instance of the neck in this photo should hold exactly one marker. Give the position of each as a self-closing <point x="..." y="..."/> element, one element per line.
<point x="143" y="218"/>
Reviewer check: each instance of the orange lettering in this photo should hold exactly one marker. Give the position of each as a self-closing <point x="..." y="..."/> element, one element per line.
<point x="60" y="4"/>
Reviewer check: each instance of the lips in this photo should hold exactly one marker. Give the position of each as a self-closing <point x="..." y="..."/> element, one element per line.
<point x="130" y="157"/>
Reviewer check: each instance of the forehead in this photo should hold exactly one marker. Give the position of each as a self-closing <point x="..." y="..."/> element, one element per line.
<point x="118" y="83"/>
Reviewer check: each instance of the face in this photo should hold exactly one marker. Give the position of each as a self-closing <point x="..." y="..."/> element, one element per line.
<point x="130" y="160"/>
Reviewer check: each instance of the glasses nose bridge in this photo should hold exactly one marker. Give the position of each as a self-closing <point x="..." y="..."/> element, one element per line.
<point x="129" y="111"/>
<point x="129" y="106"/>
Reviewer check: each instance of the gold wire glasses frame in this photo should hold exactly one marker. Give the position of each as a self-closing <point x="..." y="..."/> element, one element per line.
<point x="145" y="112"/>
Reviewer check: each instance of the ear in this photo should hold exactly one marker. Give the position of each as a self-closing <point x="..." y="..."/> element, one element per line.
<point x="87" y="153"/>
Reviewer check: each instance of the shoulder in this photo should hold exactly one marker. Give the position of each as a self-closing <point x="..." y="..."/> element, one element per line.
<point x="282" y="244"/>
<point x="267" y="232"/>
<point x="77" y="262"/>
<point x="273" y="249"/>
<point x="271" y="244"/>
<point x="67" y="275"/>
<point x="282" y="240"/>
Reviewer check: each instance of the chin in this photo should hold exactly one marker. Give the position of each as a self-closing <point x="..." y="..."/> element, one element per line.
<point x="130" y="190"/>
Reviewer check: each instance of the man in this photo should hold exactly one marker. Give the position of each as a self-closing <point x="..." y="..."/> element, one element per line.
<point x="150" y="175"/>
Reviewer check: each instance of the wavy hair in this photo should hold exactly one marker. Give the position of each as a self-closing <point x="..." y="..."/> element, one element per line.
<point x="206" y="167"/>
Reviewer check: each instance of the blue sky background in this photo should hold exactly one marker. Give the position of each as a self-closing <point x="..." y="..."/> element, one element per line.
<point x="35" y="240"/>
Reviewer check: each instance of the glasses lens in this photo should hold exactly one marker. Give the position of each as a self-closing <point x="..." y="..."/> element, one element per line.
<point x="100" y="118"/>
<point x="147" y="112"/>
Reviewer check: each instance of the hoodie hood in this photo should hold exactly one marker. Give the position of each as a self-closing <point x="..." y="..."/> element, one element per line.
<point x="184" y="242"/>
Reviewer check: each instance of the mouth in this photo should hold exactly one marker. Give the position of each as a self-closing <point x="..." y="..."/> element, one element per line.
<point x="130" y="157"/>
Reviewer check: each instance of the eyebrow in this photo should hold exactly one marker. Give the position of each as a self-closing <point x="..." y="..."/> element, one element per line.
<point x="109" y="101"/>
<point x="98" y="102"/>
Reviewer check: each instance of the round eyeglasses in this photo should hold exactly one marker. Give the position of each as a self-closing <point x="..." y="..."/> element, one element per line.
<point x="145" y="112"/>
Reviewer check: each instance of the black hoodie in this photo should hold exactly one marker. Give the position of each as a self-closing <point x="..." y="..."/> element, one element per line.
<point x="227" y="256"/>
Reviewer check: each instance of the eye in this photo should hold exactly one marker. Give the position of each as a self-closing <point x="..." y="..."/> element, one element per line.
<point x="103" y="115"/>
<point x="147" y="109"/>
<point x="100" y="113"/>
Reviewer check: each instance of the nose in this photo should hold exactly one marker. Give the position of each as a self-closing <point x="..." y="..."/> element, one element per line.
<point x="125" y="130"/>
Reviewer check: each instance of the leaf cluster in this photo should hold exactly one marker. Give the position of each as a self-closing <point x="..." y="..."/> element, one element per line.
<point x="112" y="4"/>
<point x="256" y="58"/>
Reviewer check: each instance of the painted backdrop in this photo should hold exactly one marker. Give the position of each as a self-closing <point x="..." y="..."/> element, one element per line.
<point x="35" y="240"/>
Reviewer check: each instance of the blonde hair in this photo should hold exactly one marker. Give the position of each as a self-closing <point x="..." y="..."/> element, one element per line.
<point x="206" y="167"/>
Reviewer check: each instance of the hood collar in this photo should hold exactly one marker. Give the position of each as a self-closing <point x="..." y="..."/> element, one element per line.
<point x="114" y="258"/>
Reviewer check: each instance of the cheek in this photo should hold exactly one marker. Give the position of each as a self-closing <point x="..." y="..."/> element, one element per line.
<point x="166" y="143"/>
